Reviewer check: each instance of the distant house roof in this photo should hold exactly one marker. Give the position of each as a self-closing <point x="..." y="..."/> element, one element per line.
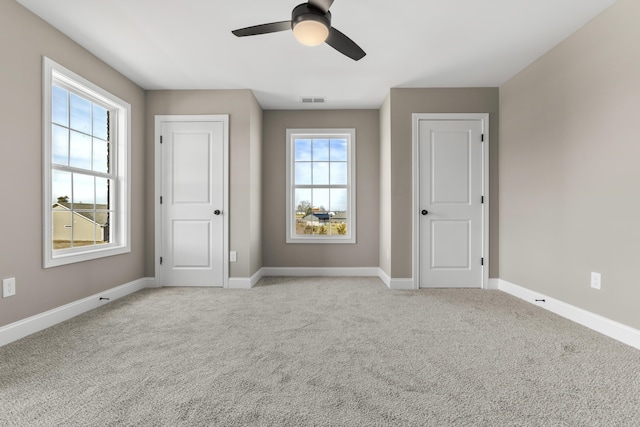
<point x="324" y="216"/>
<point x="340" y="215"/>
<point x="86" y="210"/>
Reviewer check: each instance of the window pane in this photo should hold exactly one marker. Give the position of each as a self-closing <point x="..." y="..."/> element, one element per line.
<point x="102" y="220"/>
<point x="100" y="122"/>
<point x="320" y="199"/>
<point x="303" y="173"/>
<point x="102" y="193"/>
<point x="60" y="145"/>
<point x="302" y="150"/>
<point x="100" y="155"/>
<point x="320" y="150"/>
<point x="80" y="151"/>
<point x="80" y="113"/>
<point x="339" y="150"/>
<point x="84" y="229"/>
<point x="303" y="209"/>
<point x="302" y="200"/>
<point x="338" y="199"/>
<point x="60" y="187"/>
<point x="59" y="106"/>
<point x="339" y="173"/>
<point x="320" y="173"/>
<point x="339" y="223"/>
<point x="83" y="189"/>
<point x="62" y="227"/>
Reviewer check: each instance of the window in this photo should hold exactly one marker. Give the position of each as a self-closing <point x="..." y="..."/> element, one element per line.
<point x="85" y="162"/>
<point x="321" y="186"/>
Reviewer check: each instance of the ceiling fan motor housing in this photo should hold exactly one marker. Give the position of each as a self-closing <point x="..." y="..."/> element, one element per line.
<point x="306" y="12"/>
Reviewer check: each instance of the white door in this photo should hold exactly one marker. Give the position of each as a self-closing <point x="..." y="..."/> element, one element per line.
<point x="450" y="203"/>
<point x="192" y="206"/>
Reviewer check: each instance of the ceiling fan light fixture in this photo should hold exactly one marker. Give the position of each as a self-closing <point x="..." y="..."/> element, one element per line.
<point x="311" y="32"/>
<point x="310" y="25"/>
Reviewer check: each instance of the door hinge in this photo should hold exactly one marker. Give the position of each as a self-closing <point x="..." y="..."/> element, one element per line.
<point x="481" y="138"/>
<point x="160" y="260"/>
<point x="482" y="199"/>
<point x="160" y="199"/>
<point x="160" y="139"/>
<point x="481" y="261"/>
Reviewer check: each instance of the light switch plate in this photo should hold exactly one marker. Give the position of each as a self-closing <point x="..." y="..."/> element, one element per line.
<point x="8" y="287"/>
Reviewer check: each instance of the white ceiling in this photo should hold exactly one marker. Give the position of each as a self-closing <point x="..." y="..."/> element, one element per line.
<point x="187" y="44"/>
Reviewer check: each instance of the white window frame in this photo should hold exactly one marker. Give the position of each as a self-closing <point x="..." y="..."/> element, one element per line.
<point x="350" y="135"/>
<point x="120" y="119"/>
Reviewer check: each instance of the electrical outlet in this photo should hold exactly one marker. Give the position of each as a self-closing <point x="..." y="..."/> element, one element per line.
<point x="8" y="287"/>
<point x="233" y="256"/>
<point x="596" y="280"/>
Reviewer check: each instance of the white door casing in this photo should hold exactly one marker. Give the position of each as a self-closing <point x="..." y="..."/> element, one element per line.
<point x="192" y="200"/>
<point x="450" y="200"/>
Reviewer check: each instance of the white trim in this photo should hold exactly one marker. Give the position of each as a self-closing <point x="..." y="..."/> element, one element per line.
<point x="33" y="324"/>
<point x="52" y="71"/>
<point x="403" y="285"/>
<point x="246" y="282"/>
<point x="484" y="118"/>
<point x="608" y="327"/>
<point x="159" y="119"/>
<point x="494" y="284"/>
<point x="384" y="277"/>
<point x="321" y="271"/>
<point x="350" y="237"/>
<point x="240" y="283"/>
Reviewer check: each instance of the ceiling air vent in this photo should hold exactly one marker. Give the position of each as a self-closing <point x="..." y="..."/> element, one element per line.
<point x="310" y="100"/>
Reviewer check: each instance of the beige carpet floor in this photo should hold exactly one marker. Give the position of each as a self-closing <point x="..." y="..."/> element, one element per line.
<point x="319" y="352"/>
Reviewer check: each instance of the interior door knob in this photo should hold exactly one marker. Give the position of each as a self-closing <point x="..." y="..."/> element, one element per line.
<point x="424" y="212"/>
<point x="217" y="212"/>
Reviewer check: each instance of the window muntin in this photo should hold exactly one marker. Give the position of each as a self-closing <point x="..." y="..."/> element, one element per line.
<point x="321" y="178"/>
<point x="86" y="151"/>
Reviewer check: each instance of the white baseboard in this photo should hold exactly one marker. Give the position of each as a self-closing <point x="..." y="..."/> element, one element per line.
<point x="494" y="284"/>
<point x="321" y="271"/>
<point x="248" y="283"/>
<point x="402" y="284"/>
<point x="384" y="277"/>
<point x="608" y="327"/>
<point x="22" y="328"/>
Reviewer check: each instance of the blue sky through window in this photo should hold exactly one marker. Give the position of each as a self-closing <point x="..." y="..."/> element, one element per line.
<point x="79" y="135"/>
<point x="321" y="162"/>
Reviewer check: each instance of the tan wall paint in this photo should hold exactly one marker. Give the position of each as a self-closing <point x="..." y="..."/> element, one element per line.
<point x="384" y="255"/>
<point x="277" y="253"/>
<point x="256" y="186"/>
<point x="24" y="39"/>
<point x="569" y="168"/>
<point x="242" y="110"/>
<point x="403" y="103"/>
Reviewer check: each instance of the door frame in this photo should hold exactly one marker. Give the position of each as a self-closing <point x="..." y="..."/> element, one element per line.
<point x="416" y="119"/>
<point x="159" y="120"/>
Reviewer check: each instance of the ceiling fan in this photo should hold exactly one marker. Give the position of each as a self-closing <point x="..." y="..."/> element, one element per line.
<point x="311" y="25"/>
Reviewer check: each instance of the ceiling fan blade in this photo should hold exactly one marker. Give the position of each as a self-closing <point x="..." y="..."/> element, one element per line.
<point x="273" y="27"/>
<point x="323" y="5"/>
<point x="344" y="45"/>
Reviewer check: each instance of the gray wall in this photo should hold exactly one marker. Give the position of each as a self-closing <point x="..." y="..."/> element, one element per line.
<point x="569" y="168"/>
<point x="277" y="253"/>
<point x="255" y="197"/>
<point x="384" y="255"/>
<point x="403" y="103"/>
<point x="244" y="166"/>
<point x="24" y="39"/>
